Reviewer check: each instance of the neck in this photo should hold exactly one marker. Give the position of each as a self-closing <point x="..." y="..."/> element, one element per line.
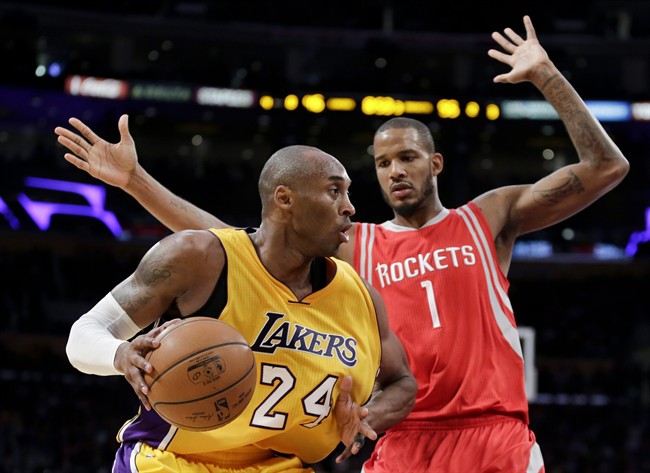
<point x="282" y="260"/>
<point x="419" y="216"/>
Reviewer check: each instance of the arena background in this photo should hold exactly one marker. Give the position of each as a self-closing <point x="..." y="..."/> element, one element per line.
<point x="582" y="287"/>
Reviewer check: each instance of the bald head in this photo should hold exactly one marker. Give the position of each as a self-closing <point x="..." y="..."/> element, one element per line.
<point x="294" y="167"/>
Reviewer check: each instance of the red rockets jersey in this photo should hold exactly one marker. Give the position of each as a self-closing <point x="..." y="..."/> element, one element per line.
<point x="447" y="301"/>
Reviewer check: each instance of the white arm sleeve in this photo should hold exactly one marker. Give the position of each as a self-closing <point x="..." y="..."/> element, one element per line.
<point x="95" y="336"/>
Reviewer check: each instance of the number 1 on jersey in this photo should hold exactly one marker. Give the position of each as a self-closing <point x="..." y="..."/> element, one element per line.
<point x="433" y="308"/>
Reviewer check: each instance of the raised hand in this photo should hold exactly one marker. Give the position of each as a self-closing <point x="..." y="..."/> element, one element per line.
<point x="524" y="56"/>
<point x="350" y="418"/>
<point x="113" y="163"/>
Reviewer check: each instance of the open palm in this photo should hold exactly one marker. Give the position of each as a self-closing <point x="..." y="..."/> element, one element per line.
<point x="113" y="163"/>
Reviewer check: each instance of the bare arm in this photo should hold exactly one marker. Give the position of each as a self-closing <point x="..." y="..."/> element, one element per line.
<point x="171" y="210"/>
<point x="395" y="387"/>
<point x="178" y="271"/>
<point x="515" y="210"/>
<point x="117" y="164"/>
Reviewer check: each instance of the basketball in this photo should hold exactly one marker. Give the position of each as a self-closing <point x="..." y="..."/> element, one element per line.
<point x="204" y="374"/>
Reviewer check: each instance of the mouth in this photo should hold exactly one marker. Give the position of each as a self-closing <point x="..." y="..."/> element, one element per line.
<point x="344" y="233"/>
<point x="401" y="189"/>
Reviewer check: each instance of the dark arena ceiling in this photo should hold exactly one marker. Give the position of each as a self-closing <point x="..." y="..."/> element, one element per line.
<point x="420" y="50"/>
<point x="427" y="47"/>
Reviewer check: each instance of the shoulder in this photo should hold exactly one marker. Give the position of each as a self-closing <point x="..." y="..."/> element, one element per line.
<point x="186" y="246"/>
<point x="182" y="270"/>
<point x="192" y="240"/>
<point x="497" y="206"/>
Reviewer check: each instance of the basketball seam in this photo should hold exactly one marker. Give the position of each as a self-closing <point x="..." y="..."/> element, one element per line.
<point x="182" y="360"/>
<point x="185" y="401"/>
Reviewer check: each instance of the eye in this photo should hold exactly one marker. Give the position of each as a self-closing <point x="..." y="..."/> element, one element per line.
<point x="337" y="191"/>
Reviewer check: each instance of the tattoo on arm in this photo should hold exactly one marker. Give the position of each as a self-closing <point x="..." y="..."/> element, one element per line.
<point x="548" y="197"/>
<point x="548" y="81"/>
<point x="187" y="208"/>
<point x="559" y="95"/>
<point x="589" y="140"/>
<point x="150" y="274"/>
<point x="179" y="204"/>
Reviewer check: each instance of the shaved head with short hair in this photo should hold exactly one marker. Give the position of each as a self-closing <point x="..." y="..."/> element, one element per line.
<point x="293" y="167"/>
<point x="423" y="131"/>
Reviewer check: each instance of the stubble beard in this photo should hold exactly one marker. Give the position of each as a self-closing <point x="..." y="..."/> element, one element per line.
<point x="409" y="209"/>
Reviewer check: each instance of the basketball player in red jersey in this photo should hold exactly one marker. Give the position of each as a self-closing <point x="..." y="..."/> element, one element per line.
<point x="442" y="272"/>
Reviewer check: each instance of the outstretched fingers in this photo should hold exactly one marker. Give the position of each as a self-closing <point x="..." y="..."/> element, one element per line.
<point x="504" y="42"/>
<point x="77" y="162"/>
<point x="530" y="29"/>
<point x="523" y="55"/>
<point x="500" y="56"/>
<point x="513" y="36"/>
<point x="510" y="39"/>
<point x="73" y="142"/>
<point x="84" y="130"/>
<point x="123" y="127"/>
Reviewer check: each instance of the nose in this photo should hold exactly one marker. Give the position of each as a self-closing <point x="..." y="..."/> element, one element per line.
<point x="395" y="170"/>
<point x="347" y="208"/>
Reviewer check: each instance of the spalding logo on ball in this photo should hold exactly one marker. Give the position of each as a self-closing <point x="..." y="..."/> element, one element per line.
<point x="204" y="374"/>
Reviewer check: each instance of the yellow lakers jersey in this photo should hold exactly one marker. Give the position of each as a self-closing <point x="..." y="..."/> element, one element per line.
<point x="303" y="348"/>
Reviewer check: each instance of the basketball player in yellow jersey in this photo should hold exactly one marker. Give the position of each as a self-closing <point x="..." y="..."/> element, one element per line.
<point x="319" y="333"/>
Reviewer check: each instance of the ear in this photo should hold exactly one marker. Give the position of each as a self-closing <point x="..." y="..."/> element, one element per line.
<point x="437" y="163"/>
<point x="283" y="197"/>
